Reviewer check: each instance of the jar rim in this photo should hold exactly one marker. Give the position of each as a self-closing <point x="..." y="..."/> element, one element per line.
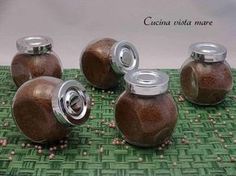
<point x="36" y="44"/>
<point x="147" y="81"/>
<point x="62" y="98"/>
<point x="208" y="52"/>
<point x="124" y="57"/>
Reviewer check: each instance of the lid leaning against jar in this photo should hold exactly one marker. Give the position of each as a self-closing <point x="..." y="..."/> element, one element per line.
<point x="147" y="82"/>
<point x="124" y="57"/>
<point x="34" y="44"/>
<point x="71" y="103"/>
<point x="208" y="52"/>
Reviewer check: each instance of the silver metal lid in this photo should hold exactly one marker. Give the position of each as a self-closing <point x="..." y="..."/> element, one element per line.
<point x="208" y="52"/>
<point x="70" y="103"/>
<point x="124" y="57"/>
<point x="147" y="81"/>
<point x="34" y="44"/>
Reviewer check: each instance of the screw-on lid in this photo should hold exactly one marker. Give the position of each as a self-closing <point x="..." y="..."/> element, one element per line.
<point x="208" y="52"/>
<point x="124" y="57"/>
<point x="34" y="44"/>
<point x="70" y="103"/>
<point x="147" y="81"/>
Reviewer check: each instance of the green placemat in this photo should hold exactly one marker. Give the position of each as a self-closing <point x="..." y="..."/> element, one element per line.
<point x="204" y="142"/>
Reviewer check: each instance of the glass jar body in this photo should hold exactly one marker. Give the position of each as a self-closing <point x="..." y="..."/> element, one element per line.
<point x="205" y="83"/>
<point x="26" y="66"/>
<point x="96" y="65"/>
<point x="33" y="113"/>
<point x="146" y="121"/>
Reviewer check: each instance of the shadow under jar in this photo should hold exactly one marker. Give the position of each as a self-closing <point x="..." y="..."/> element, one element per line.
<point x="104" y="62"/>
<point x="206" y="77"/>
<point x="145" y="112"/>
<point x="45" y="108"/>
<point x="34" y="58"/>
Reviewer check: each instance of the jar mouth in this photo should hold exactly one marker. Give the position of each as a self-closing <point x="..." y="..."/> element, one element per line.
<point x="124" y="57"/>
<point x="147" y="81"/>
<point x="208" y="52"/>
<point x="70" y="103"/>
<point x="34" y="44"/>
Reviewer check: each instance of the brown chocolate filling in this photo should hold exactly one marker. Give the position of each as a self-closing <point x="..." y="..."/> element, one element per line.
<point x="96" y="64"/>
<point x="146" y="120"/>
<point x="32" y="110"/>
<point x="206" y="83"/>
<point x="26" y="66"/>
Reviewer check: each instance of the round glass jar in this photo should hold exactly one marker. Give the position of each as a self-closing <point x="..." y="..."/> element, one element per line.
<point x="145" y="112"/>
<point x="104" y="61"/>
<point x="45" y="108"/>
<point x="206" y="77"/>
<point x="34" y="58"/>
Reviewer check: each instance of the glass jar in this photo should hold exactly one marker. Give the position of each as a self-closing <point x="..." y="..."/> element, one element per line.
<point x="34" y="58"/>
<point x="45" y="108"/>
<point x="145" y="112"/>
<point x="206" y="77"/>
<point x="104" y="62"/>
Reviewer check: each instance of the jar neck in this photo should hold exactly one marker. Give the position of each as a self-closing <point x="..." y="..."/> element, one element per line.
<point x="207" y="61"/>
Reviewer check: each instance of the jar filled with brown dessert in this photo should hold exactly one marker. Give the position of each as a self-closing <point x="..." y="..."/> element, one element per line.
<point x="145" y="112"/>
<point x="35" y="58"/>
<point x="104" y="62"/>
<point x="206" y="77"/>
<point x="45" y="108"/>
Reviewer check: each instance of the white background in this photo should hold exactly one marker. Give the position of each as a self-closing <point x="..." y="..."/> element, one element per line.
<point x="73" y="23"/>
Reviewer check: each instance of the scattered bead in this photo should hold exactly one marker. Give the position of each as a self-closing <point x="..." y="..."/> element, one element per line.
<point x="40" y="151"/>
<point x="140" y="159"/>
<point x="4" y="143"/>
<point x="101" y="150"/>
<point x="51" y="156"/>
<point x="218" y="158"/>
<point x="232" y="159"/>
<point x="12" y="152"/>
<point x="6" y="124"/>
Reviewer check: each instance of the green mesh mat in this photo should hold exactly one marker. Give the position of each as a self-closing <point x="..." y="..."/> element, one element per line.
<point x="204" y="141"/>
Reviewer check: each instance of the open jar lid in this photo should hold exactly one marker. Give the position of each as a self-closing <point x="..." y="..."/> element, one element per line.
<point x="208" y="52"/>
<point x="71" y="103"/>
<point x="34" y="44"/>
<point x="147" y="81"/>
<point x="124" y="57"/>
